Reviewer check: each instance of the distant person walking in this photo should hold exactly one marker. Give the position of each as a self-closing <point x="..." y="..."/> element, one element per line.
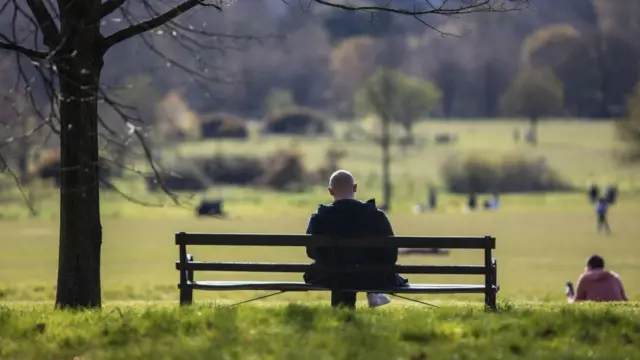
<point x="348" y="218"/>
<point x="432" y="198"/>
<point x="594" y="193"/>
<point x="611" y="194"/>
<point x="602" y="208"/>
<point x="472" y="201"/>
<point x="597" y="284"/>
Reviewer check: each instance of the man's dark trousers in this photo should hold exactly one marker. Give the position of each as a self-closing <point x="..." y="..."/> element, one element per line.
<point x="346" y="299"/>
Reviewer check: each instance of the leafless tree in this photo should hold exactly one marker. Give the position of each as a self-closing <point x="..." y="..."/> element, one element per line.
<point x="61" y="45"/>
<point x="379" y="98"/>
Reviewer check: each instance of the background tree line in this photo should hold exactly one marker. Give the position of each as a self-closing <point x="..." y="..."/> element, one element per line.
<point x="320" y="58"/>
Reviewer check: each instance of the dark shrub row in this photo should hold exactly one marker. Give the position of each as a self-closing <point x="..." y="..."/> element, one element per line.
<point x="283" y="170"/>
<point x="290" y="121"/>
<point x="297" y="121"/>
<point x="510" y="174"/>
<point x="48" y="168"/>
<point x="223" y="125"/>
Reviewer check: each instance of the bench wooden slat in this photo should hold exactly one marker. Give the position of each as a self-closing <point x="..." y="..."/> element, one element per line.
<point x="300" y="268"/>
<point x="301" y="286"/>
<point x="416" y="242"/>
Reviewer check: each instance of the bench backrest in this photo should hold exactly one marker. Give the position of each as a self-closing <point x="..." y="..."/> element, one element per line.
<point x="416" y="242"/>
<point x="486" y="243"/>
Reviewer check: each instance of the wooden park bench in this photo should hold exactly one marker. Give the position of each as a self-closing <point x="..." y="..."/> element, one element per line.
<point x="188" y="266"/>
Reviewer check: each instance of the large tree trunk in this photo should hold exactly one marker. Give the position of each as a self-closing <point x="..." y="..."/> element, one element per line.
<point x="80" y="227"/>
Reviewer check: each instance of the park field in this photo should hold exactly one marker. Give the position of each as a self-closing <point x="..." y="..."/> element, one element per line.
<point x="582" y="152"/>
<point x="541" y="244"/>
<point x="543" y="241"/>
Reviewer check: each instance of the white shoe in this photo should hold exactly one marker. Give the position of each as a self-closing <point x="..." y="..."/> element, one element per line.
<point x="376" y="300"/>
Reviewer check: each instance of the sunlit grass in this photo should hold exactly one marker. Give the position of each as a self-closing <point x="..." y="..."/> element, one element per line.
<point x="541" y="243"/>
<point x="296" y="331"/>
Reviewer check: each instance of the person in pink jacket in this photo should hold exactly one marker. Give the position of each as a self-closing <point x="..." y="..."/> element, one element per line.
<point x="597" y="284"/>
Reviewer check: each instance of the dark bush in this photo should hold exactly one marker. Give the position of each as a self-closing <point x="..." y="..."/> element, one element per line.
<point x="210" y="208"/>
<point x="223" y="125"/>
<point x="178" y="180"/>
<point x="297" y="121"/>
<point x="445" y="138"/>
<point x="236" y="169"/>
<point x="510" y="175"/>
<point x="284" y="170"/>
<point x="48" y="168"/>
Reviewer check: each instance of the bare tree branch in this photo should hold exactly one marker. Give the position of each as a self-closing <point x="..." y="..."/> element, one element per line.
<point x="155" y="22"/>
<point x="465" y="7"/>
<point x="12" y="139"/>
<point x="110" y="6"/>
<point x="30" y="53"/>
<point x="5" y="167"/>
<point x="45" y="22"/>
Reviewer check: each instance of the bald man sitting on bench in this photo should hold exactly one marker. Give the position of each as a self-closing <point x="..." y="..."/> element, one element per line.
<point x="347" y="217"/>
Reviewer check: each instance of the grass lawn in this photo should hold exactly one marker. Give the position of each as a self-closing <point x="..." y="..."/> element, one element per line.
<point x="295" y="331"/>
<point x="543" y="239"/>
<point x="542" y="242"/>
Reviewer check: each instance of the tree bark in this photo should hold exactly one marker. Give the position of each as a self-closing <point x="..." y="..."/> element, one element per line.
<point x="80" y="226"/>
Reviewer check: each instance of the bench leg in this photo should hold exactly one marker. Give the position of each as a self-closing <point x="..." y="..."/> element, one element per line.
<point x="492" y="290"/>
<point x="490" y="300"/>
<point x="186" y="296"/>
<point x="344" y="299"/>
<point x="186" y="291"/>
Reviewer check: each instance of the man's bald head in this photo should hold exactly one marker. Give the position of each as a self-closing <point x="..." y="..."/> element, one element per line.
<point x="342" y="185"/>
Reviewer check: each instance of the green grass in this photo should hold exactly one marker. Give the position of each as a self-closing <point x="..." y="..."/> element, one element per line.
<point x="295" y="331"/>
<point x="542" y="241"/>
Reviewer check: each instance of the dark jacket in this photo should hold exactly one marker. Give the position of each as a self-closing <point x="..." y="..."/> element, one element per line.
<point x="351" y="219"/>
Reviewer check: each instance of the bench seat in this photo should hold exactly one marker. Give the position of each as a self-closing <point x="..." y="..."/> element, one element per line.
<point x="301" y="286"/>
